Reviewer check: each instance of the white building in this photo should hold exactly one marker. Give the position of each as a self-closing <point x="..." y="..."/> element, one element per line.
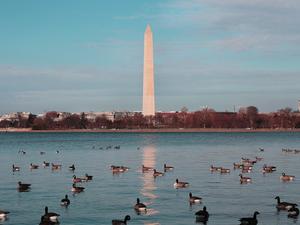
<point x="15" y="116"/>
<point x="93" y="115"/>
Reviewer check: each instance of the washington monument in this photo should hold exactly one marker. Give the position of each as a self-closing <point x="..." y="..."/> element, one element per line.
<point x="148" y="82"/>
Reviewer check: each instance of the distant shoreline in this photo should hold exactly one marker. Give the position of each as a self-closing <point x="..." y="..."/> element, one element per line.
<point x="161" y="130"/>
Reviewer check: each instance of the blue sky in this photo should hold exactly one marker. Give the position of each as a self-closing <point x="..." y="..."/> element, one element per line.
<point x="87" y="55"/>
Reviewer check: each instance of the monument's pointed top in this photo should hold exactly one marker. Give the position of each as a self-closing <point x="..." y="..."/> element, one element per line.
<point x="148" y="29"/>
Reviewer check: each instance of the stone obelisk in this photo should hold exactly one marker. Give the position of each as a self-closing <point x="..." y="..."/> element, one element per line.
<point x="148" y="82"/>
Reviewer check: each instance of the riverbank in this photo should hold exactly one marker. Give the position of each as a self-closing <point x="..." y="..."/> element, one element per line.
<point x="161" y="130"/>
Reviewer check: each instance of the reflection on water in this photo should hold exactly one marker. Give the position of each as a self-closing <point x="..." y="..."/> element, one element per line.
<point x="149" y="160"/>
<point x="148" y="188"/>
<point x="147" y="223"/>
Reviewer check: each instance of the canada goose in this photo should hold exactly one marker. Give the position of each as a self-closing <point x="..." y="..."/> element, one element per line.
<point x="258" y="158"/>
<point x="157" y="174"/>
<point x="285" y="177"/>
<point x="65" y="201"/>
<point x="121" y="222"/>
<point x="3" y="214"/>
<point x="15" y="168"/>
<point x="23" y="187"/>
<point x="268" y="169"/>
<point x="224" y="170"/>
<point x="168" y="167"/>
<point x="88" y="177"/>
<point x="118" y="169"/>
<point x="125" y="168"/>
<point x="202" y="215"/>
<point x="237" y="165"/>
<point x="46" y="164"/>
<point x="287" y="150"/>
<point x="246" y="160"/>
<point x="244" y="179"/>
<point x="72" y="167"/>
<point x="249" y="220"/>
<point x="284" y="205"/>
<point x="293" y="212"/>
<point x="33" y="166"/>
<point x="51" y="215"/>
<point x="140" y="206"/>
<point x="180" y="184"/>
<point x="246" y="171"/>
<point x="77" y="179"/>
<point x="246" y="166"/>
<point x="42" y="153"/>
<point x="46" y="221"/>
<point x="147" y="168"/>
<point x="55" y="166"/>
<point x="214" y="168"/>
<point x="194" y="199"/>
<point x="77" y="189"/>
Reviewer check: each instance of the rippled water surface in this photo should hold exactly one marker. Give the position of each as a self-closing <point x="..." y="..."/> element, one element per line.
<point x="111" y="196"/>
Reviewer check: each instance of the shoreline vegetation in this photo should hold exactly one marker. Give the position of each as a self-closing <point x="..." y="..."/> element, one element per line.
<point x="206" y="120"/>
<point x="158" y="130"/>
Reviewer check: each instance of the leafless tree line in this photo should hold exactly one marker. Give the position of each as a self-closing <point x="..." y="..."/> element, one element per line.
<point x="247" y="118"/>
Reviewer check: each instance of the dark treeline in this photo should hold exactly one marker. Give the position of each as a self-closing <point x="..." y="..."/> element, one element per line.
<point x="207" y="118"/>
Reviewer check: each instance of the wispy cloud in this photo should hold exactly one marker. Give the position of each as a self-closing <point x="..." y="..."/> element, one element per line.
<point x="15" y="78"/>
<point x="58" y="72"/>
<point x="241" y="25"/>
<point x="68" y="100"/>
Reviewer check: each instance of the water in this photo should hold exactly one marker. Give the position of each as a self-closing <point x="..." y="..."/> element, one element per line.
<point x="111" y="196"/>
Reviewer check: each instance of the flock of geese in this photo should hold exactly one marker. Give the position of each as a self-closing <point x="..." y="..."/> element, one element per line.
<point x="245" y="166"/>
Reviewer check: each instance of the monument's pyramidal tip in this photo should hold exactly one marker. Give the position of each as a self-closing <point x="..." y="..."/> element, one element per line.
<point x="148" y="28"/>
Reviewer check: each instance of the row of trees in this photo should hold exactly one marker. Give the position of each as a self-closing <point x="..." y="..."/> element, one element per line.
<point x="207" y="118"/>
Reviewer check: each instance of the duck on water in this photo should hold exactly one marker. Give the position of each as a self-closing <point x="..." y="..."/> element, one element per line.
<point x="202" y="215"/>
<point x="52" y="216"/>
<point x="244" y="180"/>
<point x="180" y="184"/>
<point x="65" y="201"/>
<point x="249" y="220"/>
<point x="157" y="173"/>
<point x="15" y="168"/>
<point x="77" y="189"/>
<point x="168" y="167"/>
<point x="140" y="207"/>
<point x="121" y="222"/>
<point x="22" y="187"/>
<point x="194" y="199"/>
<point x="46" y="221"/>
<point x="284" y="205"/>
<point x="3" y="214"/>
<point x="285" y="177"/>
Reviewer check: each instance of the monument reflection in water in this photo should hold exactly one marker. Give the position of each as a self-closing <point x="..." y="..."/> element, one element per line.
<point x="148" y="188"/>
